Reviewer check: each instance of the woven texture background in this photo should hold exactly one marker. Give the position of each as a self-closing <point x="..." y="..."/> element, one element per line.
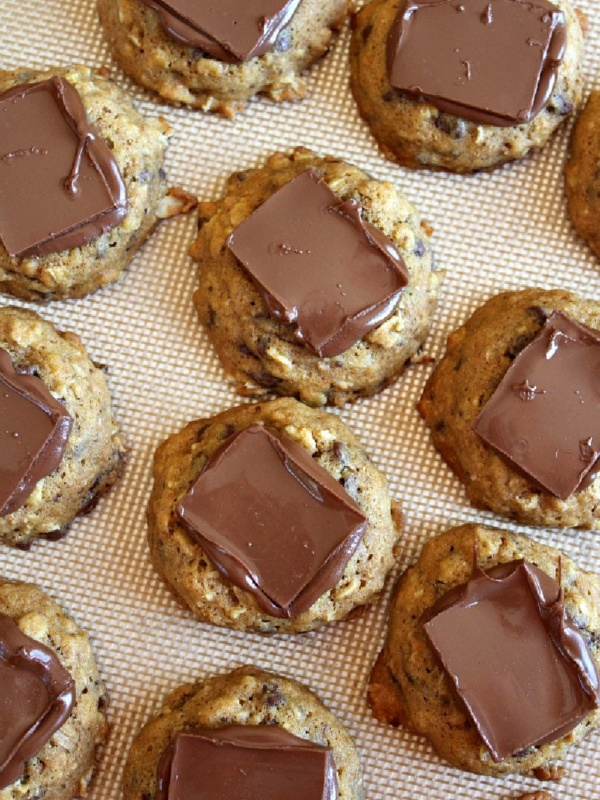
<point x="504" y="230"/>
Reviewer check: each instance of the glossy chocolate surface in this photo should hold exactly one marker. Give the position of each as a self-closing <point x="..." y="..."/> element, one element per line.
<point x="229" y="30"/>
<point x="318" y="266"/>
<point x="34" y="429"/>
<point x="253" y="762"/>
<point x="60" y="186"/>
<point x="272" y="520"/>
<point x="545" y="413"/>
<point x="515" y="657"/>
<point x="36" y="697"/>
<point x="493" y="62"/>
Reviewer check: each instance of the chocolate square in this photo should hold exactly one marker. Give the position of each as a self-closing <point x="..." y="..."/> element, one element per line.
<point x="253" y="762"/>
<point x="490" y="61"/>
<point x="60" y="186"/>
<point x="230" y="30"/>
<point x="272" y="520"/>
<point x="318" y="266"/>
<point x="544" y="415"/>
<point x="34" y="428"/>
<point x="516" y="659"/>
<point x="36" y="697"/>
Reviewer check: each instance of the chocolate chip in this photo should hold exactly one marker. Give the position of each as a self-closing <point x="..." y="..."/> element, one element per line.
<point x="453" y="126"/>
<point x="538" y="314"/>
<point x="367" y="31"/>
<point x="518" y="343"/>
<point x="265" y="379"/>
<point x="390" y="96"/>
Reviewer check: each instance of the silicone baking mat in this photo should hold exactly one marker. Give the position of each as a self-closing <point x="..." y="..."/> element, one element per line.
<point x="501" y="230"/>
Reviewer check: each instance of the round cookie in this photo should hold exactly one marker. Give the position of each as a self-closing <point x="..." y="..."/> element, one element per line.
<point x="138" y="146"/>
<point x="260" y="353"/>
<point x="93" y="458"/>
<point x="196" y="581"/>
<point x="64" y="767"/>
<point x="246" y="696"/>
<point x="581" y="173"/>
<point x="477" y="356"/>
<point x="416" y="134"/>
<point x="181" y="73"/>
<point x="408" y="685"/>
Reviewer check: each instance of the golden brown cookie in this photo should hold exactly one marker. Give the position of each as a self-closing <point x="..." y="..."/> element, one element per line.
<point x="409" y="687"/>
<point x="181" y="73"/>
<point x="581" y="173"/>
<point x="64" y="767"/>
<point x="417" y="134"/>
<point x="138" y="146"/>
<point x="249" y="697"/>
<point x="210" y="595"/>
<point x="261" y="354"/>
<point x="93" y="458"/>
<point x="478" y="354"/>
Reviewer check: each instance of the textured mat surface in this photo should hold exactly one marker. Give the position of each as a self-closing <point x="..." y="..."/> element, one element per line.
<point x="503" y="230"/>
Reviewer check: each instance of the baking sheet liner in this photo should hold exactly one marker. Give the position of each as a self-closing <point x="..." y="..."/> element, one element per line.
<point x="501" y="230"/>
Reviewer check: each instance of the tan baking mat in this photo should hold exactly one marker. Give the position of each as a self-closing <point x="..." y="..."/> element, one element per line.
<point x="503" y="230"/>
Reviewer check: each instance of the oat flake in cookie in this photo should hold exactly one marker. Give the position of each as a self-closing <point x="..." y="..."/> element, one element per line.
<point x="231" y="719"/>
<point x="319" y="528"/>
<point x="82" y="183"/>
<point x="365" y="316"/>
<point x="53" y="709"/>
<point x="216" y="56"/>
<point x="465" y="86"/>
<point x="513" y="409"/>
<point x="468" y="601"/>
<point x="61" y="447"/>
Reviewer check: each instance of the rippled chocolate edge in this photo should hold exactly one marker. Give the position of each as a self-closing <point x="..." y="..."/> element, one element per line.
<point x="91" y="143"/>
<point x="318" y="766"/>
<point x="542" y="81"/>
<point x="560" y="629"/>
<point x="190" y="22"/>
<point x="51" y="450"/>
<point x="21" y="651"/>
<point x="226" y="548"/>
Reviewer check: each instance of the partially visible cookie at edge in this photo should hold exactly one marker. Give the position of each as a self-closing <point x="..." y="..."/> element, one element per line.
<point x="94" y="452"/>
<point x="215" y="598"/>
<point x="408" y="685"/>
<point x="262" y="354"/>
<point x="182" y="73"/>
<point x="247" y="696"/>
<point x="65" y="765"/>
<point x="582" y="173"/>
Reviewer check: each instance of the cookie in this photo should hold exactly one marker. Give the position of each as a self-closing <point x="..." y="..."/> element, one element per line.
<point x="259" y="337"/>
<point x="66" y="231"/>
<point x="415" y="680"/>
<point x="469" y="114"/>
<point x="581" y="173"/>
<point x="58" y="412"/>
<point x="312" y="556"/>
<point x="56" y="757"/>
<point x="186" y="68"/>
<point x="531" y="465"/>
<point x="259" y="701"/>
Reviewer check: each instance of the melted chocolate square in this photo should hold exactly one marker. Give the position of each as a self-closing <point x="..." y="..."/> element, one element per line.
<point x="36" y="697"/>
<point x="272" y="520"/>
<point x="515" y="657"/>
<point x="318" y="266"/>
<point x="34" y="429"/>
<point x="60" y="186"/>
<point x="230" y="30"/>
<point x="253" y="762"/>
<point x="490" y="61"/>
<point x="545" y="413"/>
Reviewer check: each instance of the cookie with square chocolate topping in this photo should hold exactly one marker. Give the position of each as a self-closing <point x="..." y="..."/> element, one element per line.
<point x="498" y="78"/>
<point x="271" y="518"/>
<point x="283" y="324"/>
<point x="82" y="182"/>
<point x="512" y="407"/>
<point x="217" y="57"/>
<point x="54" y="727"/>
<point x="508" y="605"/>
